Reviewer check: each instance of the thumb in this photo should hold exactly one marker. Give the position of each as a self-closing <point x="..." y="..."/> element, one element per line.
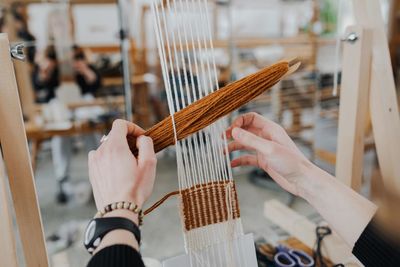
<point x="252" y="141"/>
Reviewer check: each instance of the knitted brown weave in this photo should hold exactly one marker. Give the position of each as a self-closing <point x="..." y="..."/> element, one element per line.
<point x="209" y="204"/>
<point x="212" y="107"/>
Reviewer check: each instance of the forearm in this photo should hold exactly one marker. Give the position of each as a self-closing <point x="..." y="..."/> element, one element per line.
<point x="346" y="211"/>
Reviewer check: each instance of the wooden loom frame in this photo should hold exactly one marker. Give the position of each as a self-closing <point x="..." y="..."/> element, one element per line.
<point x="15" y="151"/>
<point x="368" y="87"/>
<point x="377" y="94"/>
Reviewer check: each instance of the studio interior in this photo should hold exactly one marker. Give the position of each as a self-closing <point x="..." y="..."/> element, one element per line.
<point x="270" y="129"/>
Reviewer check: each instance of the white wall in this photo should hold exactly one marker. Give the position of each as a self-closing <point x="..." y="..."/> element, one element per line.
<point x="38" y="22"/>
<point x="96" y="24"/>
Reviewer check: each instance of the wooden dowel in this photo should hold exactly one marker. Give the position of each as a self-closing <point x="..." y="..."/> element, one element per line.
<point x="8" y="253"/>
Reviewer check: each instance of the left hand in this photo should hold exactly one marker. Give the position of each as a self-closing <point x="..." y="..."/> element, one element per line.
<point x="115" y="174"/>
<point x="80" y="66"/>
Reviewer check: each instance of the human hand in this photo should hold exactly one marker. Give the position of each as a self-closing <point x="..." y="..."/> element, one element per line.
<point x="46" y="68"/>
<point x="82" y="68"/>
<point x="115" y="174"/>
<point x="79" y="66"/>
<point x="274" y="151"/>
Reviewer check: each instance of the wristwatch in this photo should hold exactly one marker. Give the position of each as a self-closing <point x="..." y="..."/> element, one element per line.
<point x="98" y="228"/>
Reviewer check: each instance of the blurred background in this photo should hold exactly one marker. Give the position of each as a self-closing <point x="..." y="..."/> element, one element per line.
<point x="89" y="62"/>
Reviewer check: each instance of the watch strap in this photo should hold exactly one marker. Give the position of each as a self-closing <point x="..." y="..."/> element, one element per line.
<point x="105" y="225"/>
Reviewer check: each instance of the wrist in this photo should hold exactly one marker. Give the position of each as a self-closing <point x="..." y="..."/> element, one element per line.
<point x="313" y="184"/>
<point x="134" y="197"/>
<point x="134" y="217"/>
<point x="120" y="236"/>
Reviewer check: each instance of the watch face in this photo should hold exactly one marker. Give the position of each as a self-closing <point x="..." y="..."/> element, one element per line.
<point x="90" y="230"/>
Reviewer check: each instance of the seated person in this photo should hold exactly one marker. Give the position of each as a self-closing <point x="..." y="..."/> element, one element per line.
<point x="86" y="75"/>
<point x="46" y="76"/>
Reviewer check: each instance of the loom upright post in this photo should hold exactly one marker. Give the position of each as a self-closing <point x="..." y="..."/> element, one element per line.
<point x="353" y="106"/>
<point x="126" y="68"/>
<point x="17" y="161"/>
<point x="381" y="100"/>
<point x="8" y="253"/>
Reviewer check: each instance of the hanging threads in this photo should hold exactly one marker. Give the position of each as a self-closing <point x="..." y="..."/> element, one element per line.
<point x="209" y="206"/>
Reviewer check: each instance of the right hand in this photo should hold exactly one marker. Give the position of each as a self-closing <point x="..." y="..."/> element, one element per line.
<point x="273" y="149"/>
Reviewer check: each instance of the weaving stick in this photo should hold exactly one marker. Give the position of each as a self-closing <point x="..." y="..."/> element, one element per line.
<point x="214" y="106"/>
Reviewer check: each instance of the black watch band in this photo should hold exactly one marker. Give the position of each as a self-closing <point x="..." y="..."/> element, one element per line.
<point x="98" y="228"/>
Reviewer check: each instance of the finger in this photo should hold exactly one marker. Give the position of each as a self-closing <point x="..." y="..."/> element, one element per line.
<point x="135" y="130"/>
<point x="270" y="130"/>
<point x="254" y="130"/>
<point x="252" y="141"/>
<point x="118" y="131"/>
<point x="146" y="156"/>
<point x="246" y="160"/>
<point x="262" y="126"/>
<point x="228" y="132"/>
<point x="249" y="119"/>
<point x="102" y="147"/>
<point x="121" y="129"/>
<point x="235" y="146"/>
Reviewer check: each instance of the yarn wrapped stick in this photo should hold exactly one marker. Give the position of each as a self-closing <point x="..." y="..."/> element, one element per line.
<point x="214" y="106"/>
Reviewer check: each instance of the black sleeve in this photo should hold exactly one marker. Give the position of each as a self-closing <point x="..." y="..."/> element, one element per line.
<point x="118" y="255"/>
<point x="51" y="83"/>
<point x="90" y="88"/>
<point x="37" y="85"/>
<point x="375" y="248"/>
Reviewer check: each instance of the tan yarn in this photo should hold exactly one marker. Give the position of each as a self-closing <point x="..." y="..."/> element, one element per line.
<point x="212" y="107"/>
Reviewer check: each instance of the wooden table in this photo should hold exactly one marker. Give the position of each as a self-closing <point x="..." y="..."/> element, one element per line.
<point x="36" y="135"/>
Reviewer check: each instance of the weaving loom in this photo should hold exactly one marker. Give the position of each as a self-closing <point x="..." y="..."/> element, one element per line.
<point x="210" y="213"/>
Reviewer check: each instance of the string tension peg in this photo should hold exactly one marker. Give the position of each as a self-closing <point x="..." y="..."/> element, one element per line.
<point x="351" y="38"/>
<point x="17" y="51"/>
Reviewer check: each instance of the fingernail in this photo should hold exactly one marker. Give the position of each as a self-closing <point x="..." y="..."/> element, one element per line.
<point x="236" y="133"/>
<point x="139" y="138"/>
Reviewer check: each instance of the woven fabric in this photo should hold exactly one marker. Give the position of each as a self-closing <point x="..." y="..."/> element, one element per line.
<point x="209" y="204"/>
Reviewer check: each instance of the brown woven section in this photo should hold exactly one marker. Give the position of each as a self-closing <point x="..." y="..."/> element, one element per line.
<point x="209" y="109"/>
<point x="207" y="204"/>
